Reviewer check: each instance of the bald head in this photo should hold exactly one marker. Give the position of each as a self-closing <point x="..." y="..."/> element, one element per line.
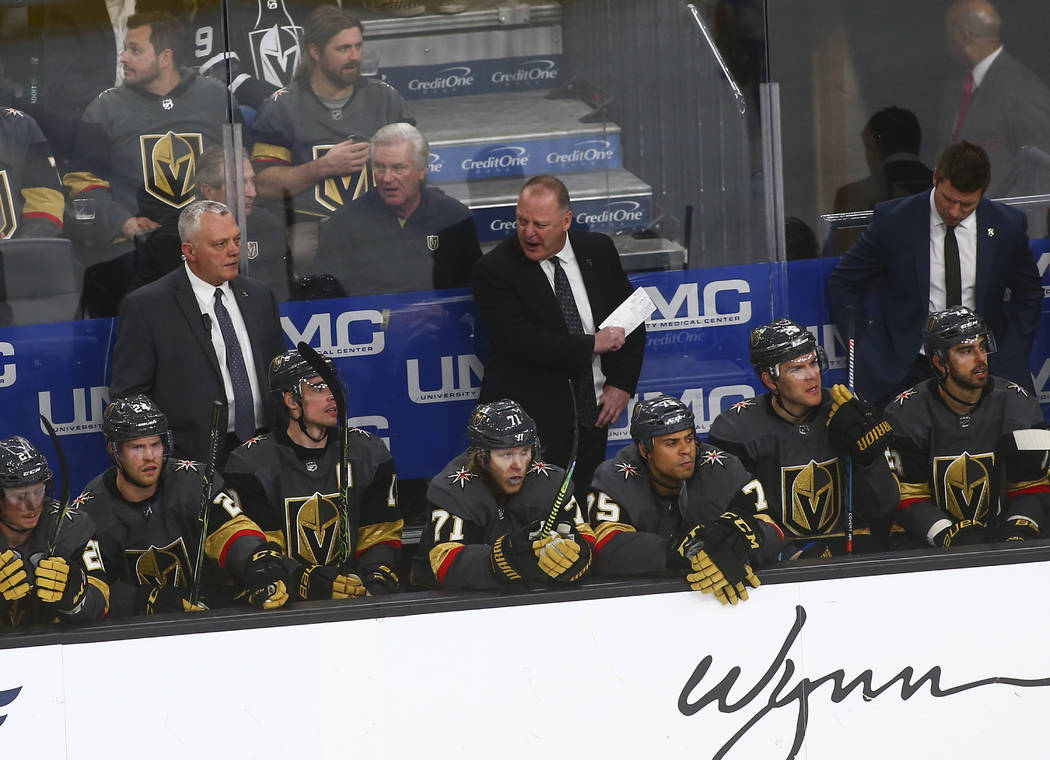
<point x="973" y="29"/>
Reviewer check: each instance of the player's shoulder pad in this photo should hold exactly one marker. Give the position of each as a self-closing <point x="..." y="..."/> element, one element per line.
<point x="278" y="93"/>
<point x="905" y="397"/>
<point x="1019" y="390"/>
<point x="712" y="456"/>
<point x="13" y="113"/>
<point x="541" y="469"/>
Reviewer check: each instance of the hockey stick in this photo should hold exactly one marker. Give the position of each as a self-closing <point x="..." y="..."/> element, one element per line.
<point x="347" y="516"/>
<point x="63" y="469"/>
<point x="559" y="500"/>
<point x="851" y="353"/>
<point x="209" y="474"/>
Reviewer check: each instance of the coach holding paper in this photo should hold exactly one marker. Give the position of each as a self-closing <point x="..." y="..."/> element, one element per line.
<point x="201" y="333"/>
<point x="541" y="295"/>
<point x="947" y="247"/>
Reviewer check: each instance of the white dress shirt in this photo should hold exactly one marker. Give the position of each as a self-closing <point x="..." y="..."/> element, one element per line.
<point x="966" y="235"/>
<point x="583" y="304"/>
<point x="205" y="295"/>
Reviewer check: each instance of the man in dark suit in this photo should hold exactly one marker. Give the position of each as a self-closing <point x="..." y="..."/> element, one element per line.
<point x="526" y="290"/>
<point x="199" y="334"/>
<point x="930" y="251"/>
<point x="997" y="102"/>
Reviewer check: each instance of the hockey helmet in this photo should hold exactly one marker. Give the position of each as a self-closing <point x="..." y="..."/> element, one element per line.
<point x="780" y="341"/>
<point x="501" y="424"/>
<point x="659" y="416"/>
<point x="21" y="464"/>
<point x="951" y="327"/>
<point x="289" y="369"/>
<point x="134" y="417"/>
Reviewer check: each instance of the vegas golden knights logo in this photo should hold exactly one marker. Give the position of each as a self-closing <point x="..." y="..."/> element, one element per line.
<point x="964" y="484"/>
<point x="811" y="497"/>
<point x="8" y="217"/>
<point x="312" y="528"/>
<point x="161" y="565"/>
<point x="333" y="192"/>
<point x="169" y="165"/>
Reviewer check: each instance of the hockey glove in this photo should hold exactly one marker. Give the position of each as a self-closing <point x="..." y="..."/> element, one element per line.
<point x="718" y="556"/>
<point x="13" y="581"/>
<point x="322" y="582"/>
<point x="267" y="578"/>
<point x="514" y="557"/>
<point x="60" y="584"/>
<point x="962" y="533"/>
<point x="814" y="550"/>
<point x="381" y="580"/>
<point x="153" y="600"/>
<point x="1019" y="529"/>
<point x="566" y="556"/>
<point x="854" y="425"/>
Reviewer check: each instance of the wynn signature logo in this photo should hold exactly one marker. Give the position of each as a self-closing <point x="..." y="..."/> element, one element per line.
<point x="785" y="693"/>
<point x="6" y="698"/>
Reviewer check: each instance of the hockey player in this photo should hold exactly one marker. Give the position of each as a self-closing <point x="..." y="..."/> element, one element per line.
<point x="488" y="505"/>
<point x="946" y="451"/>
<point x="146" y="510"/>
<point x="656" y="499"/>
<point x="28" y="517"/>
<point x="287" y="483"/>
<point x="796" y="438"/>
<point x="31" y="200"/>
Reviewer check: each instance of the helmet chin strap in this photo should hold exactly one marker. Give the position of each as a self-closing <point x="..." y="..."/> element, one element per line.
<point x="780" y="403"/>
<point x="300" y="421"/>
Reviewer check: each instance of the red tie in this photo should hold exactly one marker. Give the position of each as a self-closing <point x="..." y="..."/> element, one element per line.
<point x="964" y="105"/>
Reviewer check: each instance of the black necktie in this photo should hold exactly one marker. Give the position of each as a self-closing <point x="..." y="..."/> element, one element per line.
<point x="243" y="405"/>
<point x="583" y="384"/>
<point x="952" y="276"/>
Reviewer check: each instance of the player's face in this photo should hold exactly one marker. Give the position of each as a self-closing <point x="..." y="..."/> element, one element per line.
<point x="673" y="457"/>
<point x="142" y="459"/>
<point x="318" y="403"/>
<point x="139" y="60"/>
<point x="542" y="225"/>
<point x="968" y="364"/>
<point x="22" y="506"/>
<point x="214" y="250"/>
<point x="340" y="61"/>
<point x="397" y="177"/>
<point x="507" y="468"/>
<point x="953" y="205"/>
<point x="799" y="383"/>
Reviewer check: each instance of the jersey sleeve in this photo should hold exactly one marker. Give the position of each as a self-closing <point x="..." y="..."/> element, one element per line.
<point x="457" y="550"/>
<point x="232" y="536"/>
<point x="620" y="549"/>
<point x="917" y="511"/>
<point x="379" y="534"/>
<point x="43" y="201"/>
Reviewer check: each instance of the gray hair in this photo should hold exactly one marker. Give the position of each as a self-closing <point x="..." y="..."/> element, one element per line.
<point x="211" y="168"/>
<point x="190" y="218"/>
<point x="400" y="132"/>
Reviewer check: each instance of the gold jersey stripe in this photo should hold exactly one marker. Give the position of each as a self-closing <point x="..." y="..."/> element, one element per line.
<point x="370" y="535"/>
<point x="267" y="152"/>
<point x="43" y="200"/>
<point x="102" y="586"/>
<point x="440" y="553"/>
<point x="217" y="541"/>
<point x="78" y="182"/>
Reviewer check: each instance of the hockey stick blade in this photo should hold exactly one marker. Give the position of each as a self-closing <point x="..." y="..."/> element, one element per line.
<point x="63" y="471"/>
<point x="347" y="516"/>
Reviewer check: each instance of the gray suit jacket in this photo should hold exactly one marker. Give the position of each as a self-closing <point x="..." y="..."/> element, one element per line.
<point x="164" y="350"/>
<point x="1011" y="109"/>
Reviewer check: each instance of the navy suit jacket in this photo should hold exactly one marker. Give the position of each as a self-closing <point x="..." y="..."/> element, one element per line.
<point x="164" y="351"/>
<point x="886" y="277"/>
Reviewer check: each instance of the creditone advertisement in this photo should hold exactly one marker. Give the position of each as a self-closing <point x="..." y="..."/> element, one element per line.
<point x="444" y="80"/>
<point x="938" y="664"/>
<point x="414" y="362"/>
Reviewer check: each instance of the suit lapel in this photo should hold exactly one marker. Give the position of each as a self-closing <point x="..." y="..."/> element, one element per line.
<point x="985" y="253"/>
<point x="534" y="282"/>
<point x="187" y="304"/>
<point x="921" y="252"/>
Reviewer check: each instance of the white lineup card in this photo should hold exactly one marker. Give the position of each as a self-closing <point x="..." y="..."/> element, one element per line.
<point x="635" y="309"/>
